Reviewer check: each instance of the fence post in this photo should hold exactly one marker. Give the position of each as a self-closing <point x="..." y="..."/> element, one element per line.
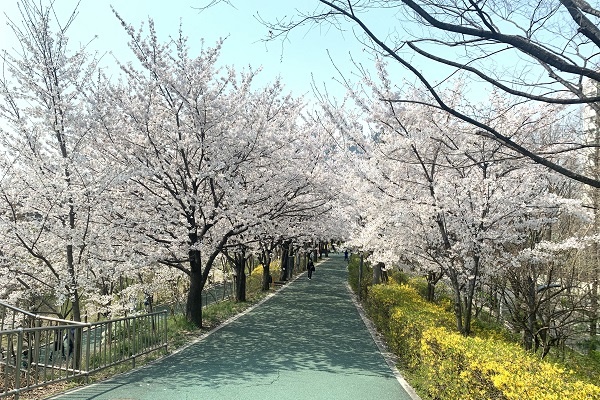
<point x="18" y="361"/>
<point x="37" y="346"/>
<point x="165" y="319"/>
<point x="87" y="353"/>
<point x="133" y="341"/>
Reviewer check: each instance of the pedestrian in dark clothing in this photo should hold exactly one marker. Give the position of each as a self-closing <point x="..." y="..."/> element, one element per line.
<point x="346" y="254"/>
<point x="310" y="267"/>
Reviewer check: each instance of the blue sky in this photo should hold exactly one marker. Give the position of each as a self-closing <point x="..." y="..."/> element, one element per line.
<point x="304" y="53"/>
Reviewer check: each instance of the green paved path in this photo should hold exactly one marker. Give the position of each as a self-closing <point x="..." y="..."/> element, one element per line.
<point x="306" y="342"/>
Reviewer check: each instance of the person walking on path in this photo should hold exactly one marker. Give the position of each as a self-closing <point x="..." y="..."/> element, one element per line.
<point x="310" y="267"/>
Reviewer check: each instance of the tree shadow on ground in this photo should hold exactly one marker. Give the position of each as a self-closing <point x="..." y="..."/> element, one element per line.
<point x="311" y="326"/>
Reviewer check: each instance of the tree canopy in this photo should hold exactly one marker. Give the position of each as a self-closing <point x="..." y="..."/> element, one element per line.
<point x="113" y="188"/>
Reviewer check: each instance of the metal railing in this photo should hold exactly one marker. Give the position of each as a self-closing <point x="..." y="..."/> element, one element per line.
<point x="37" y="351"/>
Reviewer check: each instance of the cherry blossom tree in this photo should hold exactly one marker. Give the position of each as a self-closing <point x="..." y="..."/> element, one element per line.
<point x="550" y="46"/>
<point x="210" y="155"/>
<point x="53" y="181"/>
<point x="543" y="52"/>
<point x="449" y="203"/>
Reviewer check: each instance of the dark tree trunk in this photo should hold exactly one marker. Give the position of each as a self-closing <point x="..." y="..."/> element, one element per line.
<point x="322" y="247"/>
<point x="470" y="295"/>
<point x="594" y="307"/>
<point x="266" y="278"/>
<point x="290" y="262"/>
<point x="76" y="339"/>
<point x="265" y="259"/>
<point x="432" y="280"/>
<point x="240" y="276"/>
<point x="285" y="252"/>
<point x="529" y="337"/>
<point x="595" y="194"/>
<point x="193" y="309"/>
<point x="430" y="291"/>
<point x="458" y="310"/>
<point x="377" y="273"/>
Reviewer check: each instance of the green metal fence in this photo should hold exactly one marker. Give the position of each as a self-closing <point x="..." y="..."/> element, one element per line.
<point x="36" y="350"/>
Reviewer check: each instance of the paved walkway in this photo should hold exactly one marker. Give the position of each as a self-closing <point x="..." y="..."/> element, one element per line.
<point x="306" y="342"/>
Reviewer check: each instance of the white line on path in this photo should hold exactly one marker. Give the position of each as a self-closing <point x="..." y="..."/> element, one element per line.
<point x="389" y="357"/>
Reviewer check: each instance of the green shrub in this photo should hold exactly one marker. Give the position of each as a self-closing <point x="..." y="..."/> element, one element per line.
<point x="419" y="283"/>
<point x="443" y="293"/>
<point x="397" y="276"/>
<point x="353" y="274"/>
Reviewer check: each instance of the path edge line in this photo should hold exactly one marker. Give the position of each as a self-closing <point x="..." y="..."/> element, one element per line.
<point x="184" y="347"/>
<point x="389" y="357"/>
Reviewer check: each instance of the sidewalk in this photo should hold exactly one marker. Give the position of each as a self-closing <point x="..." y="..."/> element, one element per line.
<point x="306" y="342"/>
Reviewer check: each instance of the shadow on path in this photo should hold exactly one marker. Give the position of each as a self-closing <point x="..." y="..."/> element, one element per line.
<point x="306" y="342"/>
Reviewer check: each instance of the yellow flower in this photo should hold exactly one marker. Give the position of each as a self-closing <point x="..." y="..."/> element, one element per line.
<point x="422" y="336"/>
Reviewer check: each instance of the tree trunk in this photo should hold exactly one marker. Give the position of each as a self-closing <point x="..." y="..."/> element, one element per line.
<point x="266" y="278"/>
<point x="430" y="286"/>
<point x="430" y="290"/>
<point x="458" y="311"/>
<point x="284" y="261"/>
<point x="377" y="273"/>
<point x="76" y="338"/>
<point x="594" y="307"/>
<point x="469" y="298"/>
<point x="290" y="262"/>
<point x="595" y="268"/>
<point x="240" y="277"/>
<point x="265" y="259"/>
<point x="528" y="337"/>
<point x="432" y="280"/>
<point x="240" y="288"/>
<point x="193" y="309"/>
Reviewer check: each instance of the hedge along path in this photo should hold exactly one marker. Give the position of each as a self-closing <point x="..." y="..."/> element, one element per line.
<point x="306" y="342"/>
<point x="487" y="366"/>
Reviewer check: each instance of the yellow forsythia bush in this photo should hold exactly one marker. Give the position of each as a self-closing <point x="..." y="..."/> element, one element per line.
<point x="458" y="367"/>
<point x="474" y="368"/>
<point x="401" y="314"/>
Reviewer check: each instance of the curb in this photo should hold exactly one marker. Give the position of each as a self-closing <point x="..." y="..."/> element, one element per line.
<point x="389" y="357"/>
